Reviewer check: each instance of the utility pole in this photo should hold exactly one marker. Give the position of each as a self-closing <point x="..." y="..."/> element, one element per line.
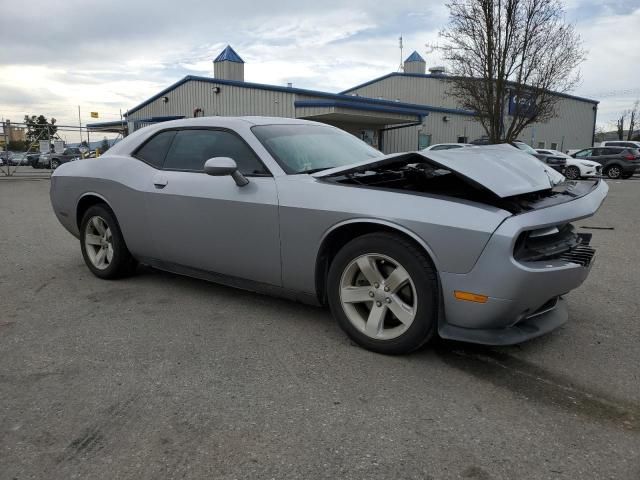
<point x="80" y="124"/>
<point x="6" y="145"/>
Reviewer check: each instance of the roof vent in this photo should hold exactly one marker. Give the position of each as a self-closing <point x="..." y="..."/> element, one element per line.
<point x="415" y="64"/>
<point x="228" y="65"/>
<point x="437" y="70"/>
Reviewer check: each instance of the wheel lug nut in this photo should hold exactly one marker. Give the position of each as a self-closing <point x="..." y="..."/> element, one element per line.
<point x="371" y="294"/>
<point x="378" y="304"/>
<point x="386" y="289"/>
<point x="388" y="300"/>
<point x="376" y="285"/>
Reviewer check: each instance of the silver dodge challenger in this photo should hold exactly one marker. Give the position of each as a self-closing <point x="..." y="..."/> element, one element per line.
<point x="474" y="244"/>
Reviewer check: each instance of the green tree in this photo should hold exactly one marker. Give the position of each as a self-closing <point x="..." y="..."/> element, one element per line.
<point x="39" y="128"/>
<point x="17" y="146"/>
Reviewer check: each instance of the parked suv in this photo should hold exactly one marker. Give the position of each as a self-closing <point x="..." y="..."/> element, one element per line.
<point x="617" y="162"/>
<point x="620" y="143"/>
<point x="53" y="160"/>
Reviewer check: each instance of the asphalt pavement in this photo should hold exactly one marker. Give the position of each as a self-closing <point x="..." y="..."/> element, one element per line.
<point x="161" y="376"/>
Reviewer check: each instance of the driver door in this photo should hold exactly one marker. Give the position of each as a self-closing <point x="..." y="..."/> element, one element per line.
<point x="209" y="223"/>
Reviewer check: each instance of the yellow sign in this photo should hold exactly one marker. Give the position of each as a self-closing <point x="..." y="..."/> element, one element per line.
<point x="94" y="114"/>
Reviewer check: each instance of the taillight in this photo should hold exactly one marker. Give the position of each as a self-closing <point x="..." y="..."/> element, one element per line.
<point x="628" y="156"/>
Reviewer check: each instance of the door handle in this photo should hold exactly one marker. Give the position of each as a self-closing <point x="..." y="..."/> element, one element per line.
<point x="160" y="181"/>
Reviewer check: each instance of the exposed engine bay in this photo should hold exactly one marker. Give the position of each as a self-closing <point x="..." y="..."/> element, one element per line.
<point x="426" y="178"/>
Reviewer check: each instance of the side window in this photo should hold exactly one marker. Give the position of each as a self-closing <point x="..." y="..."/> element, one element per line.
<point x="155" y="150"/>
<point x="191" y="148"/>
<point x="584" y="153"/>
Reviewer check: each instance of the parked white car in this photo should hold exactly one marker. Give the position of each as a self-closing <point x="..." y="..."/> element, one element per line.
<point x="575" y="168"/>
<point x="446" y="146"/>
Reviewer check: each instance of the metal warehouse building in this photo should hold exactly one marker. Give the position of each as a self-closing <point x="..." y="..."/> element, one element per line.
<point x="397" y="112"/>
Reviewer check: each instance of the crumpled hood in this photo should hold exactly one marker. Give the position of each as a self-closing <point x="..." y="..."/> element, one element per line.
<point x="503" y="169"/>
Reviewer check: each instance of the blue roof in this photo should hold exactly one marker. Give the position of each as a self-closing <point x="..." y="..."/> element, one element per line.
<point x="414" y="57"/>
<point x="417" y="109"/>
<point x="229" y="55"/>
<point x="444" y="77"/>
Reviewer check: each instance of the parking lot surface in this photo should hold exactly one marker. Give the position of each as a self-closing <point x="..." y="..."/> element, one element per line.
<point x="160" y="376"/>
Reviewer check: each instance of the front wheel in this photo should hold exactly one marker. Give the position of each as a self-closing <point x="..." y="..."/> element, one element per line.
<point x="102" y="244"/>
<point x="55" y="163"/>
<point x="384" y="294"/>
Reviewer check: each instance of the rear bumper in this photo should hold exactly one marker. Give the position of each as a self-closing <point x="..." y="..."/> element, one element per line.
<point x="518" y="292"/>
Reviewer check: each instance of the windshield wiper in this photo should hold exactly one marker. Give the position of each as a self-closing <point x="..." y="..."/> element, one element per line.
<point x="314" y="170"/>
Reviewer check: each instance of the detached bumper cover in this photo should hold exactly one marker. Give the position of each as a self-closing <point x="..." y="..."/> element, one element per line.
<point x="519" y="291"/>
<point x="529" y="328"/>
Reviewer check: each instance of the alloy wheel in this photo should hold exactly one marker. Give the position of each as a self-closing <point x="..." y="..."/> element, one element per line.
<point x="378" y="296"/>
<point x="99" y="243"/>
<point x="613" y="172"/>
<point x="572" y="173"/>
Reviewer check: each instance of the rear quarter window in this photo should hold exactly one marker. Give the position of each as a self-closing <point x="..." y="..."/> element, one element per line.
<point x="155" y="149"/>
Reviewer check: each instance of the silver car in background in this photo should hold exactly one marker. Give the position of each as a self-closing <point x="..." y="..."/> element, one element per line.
<point x="474" y="244"/>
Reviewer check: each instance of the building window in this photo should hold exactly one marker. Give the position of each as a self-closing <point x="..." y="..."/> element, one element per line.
<point x="542" y="144"/>
<point x="424" y="140"/>
<point x="554" y="145"/>
<point x="463" y="140"/>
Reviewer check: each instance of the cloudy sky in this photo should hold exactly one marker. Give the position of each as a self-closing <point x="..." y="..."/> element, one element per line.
<point x="108" y="56"/>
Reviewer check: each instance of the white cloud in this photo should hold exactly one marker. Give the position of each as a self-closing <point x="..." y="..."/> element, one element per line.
<point x="131" y="50"/>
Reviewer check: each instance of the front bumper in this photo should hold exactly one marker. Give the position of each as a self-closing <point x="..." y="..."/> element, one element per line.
<point x="524" y="297"/>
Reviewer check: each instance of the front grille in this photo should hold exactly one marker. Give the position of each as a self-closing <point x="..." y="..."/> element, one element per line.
<point x="582" y="255"/>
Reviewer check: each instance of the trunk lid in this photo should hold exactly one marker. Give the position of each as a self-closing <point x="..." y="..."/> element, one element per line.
<point x="502" y="169"/>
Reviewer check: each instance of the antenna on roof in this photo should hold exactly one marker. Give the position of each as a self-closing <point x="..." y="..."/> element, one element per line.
<point x="401" y="67"/>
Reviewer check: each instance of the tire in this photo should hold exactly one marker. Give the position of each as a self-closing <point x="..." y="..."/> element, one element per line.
<point x="115" y="261"/>
<point x="55" y="163"/>
<point x="572" y="172"/>
<point x="613" y="172"/>
<point x="416" y="299"/>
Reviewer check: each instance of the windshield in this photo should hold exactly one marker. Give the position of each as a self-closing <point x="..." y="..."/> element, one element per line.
<point x="524" y="147"/>
<point x="311" y="148"/>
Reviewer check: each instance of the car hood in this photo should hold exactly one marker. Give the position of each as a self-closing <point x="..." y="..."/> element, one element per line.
<point x="502" y="169"/>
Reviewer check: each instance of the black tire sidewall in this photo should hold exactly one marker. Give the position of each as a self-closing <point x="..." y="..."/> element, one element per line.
<point x="122" y="261"/>
<point x="419" y="267"/>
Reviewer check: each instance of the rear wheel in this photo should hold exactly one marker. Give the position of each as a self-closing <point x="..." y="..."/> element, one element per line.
<point x="55" y="163"/>
<point x="103" y="247"/>
<point x="614" y="171"/>
<point x="572" y="172"/>
<point x="384" y="294"/>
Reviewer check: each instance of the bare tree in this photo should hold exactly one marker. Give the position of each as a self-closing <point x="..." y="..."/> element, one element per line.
<point x="633" y="118"/>
<point x="620" y="127"/>
<point x="510" y="55"/>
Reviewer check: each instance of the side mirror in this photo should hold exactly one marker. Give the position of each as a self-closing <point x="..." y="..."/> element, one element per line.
<point x="220" y="166"/>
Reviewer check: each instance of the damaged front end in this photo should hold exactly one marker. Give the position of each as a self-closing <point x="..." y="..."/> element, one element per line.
<point x="533" y="258"/>
<point x="416" y="174"/>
